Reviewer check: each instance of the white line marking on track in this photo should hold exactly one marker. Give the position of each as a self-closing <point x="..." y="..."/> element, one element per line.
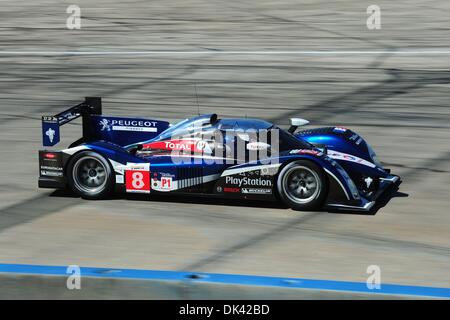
<point x="218" y="52"/>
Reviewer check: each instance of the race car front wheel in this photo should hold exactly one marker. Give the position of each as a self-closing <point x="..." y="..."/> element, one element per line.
<point x="90" y="175"/>
<point x="302" y="185"/>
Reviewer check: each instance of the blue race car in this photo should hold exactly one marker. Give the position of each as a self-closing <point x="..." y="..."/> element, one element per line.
<point x="231" y="158"/>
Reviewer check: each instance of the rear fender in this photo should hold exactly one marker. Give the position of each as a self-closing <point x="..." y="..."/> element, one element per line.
<point x="116" y="155"/>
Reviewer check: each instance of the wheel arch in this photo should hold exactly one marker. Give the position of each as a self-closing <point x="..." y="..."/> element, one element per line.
<point x="105" y="189"/>
<point x="71" y="154"/>
<point x="333" y="172"/>
<point x="291" y="160"/>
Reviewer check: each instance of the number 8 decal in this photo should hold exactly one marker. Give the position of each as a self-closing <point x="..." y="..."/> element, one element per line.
<point x="138" y="179"/>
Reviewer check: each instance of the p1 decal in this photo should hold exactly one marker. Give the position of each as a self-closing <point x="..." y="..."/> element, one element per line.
<point x="166" y="183"/>
<point x="137" y="178"/>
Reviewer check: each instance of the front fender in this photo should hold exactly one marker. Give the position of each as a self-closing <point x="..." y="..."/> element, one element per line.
<point x="341" y="185"/>
<point x="342" y="140"/>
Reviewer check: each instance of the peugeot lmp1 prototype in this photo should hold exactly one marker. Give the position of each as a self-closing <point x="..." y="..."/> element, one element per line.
<point x="308" y="170"/>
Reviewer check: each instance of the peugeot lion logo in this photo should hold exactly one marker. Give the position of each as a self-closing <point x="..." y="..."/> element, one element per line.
<point x="50" y="133"/>
<point x="105" y="125"/>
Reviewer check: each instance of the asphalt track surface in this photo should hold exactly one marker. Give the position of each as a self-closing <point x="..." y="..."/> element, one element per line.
<point x="394" y="94"/>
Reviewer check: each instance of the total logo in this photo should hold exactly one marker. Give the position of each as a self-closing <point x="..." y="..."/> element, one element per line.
<point x="246" y="181"/>
<point x="127" y="125"/>
<point x="179" y="145"/>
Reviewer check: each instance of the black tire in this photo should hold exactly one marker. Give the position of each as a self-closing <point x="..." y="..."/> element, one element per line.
<point x="90" y="175"/>
<point x="302" y="185"/>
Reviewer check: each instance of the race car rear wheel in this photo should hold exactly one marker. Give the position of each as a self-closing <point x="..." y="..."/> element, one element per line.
<point x="90" y="175"/>
<point x="302" y="185"/>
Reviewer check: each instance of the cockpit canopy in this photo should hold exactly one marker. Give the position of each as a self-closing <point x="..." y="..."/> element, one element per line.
<point x="209" y="122"/>
<point x="205" y="126"/>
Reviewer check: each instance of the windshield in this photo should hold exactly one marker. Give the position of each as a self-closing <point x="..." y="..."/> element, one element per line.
<point x="287" y="141"/>
<point x="185" y="127"/>
<point x="169" y="131"/>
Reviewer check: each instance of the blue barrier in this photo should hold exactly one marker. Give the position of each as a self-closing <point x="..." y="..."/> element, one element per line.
<point x="293" y="283"/>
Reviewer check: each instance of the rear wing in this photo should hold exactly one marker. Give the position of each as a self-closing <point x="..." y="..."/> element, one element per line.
<point x="51" y="124"/>
<point x="122" y="131"/>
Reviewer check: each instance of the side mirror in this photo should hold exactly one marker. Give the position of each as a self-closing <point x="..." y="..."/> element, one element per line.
<point x="322" y="148"/>
<point x="297" y="122"/>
